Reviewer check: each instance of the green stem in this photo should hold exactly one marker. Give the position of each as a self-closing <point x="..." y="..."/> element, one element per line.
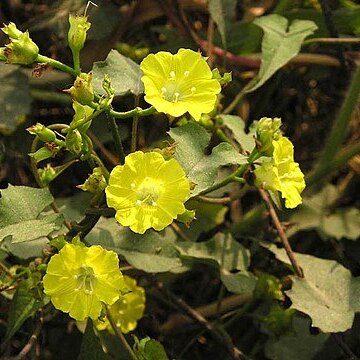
<point x="117" y="139"/>
<point x="134" y="129"/>
<point x="332" y="41"/>
<point x="76" y="61"/>
<point x="120" y="336"/>
<point x="237" y="98"/>
<point x="55" y="64"/>
<point x="105" y="171"/>
<point x="338" y="130"/>
<point x="134" y="112"/>
<point x="86" y="119"/>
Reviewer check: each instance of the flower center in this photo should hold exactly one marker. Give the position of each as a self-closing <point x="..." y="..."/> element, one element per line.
<point x="86" y="279"/>
<point x="148" y="192"/>
<point x="176" y="88"/>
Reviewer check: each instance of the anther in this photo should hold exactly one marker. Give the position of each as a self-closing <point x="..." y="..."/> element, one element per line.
<point x="132" y="185"/>
<point x="172" y="74"/>
<point x="153" y="203"/>
<point x="193" y="89"/>
<point x="138" y="202"/>
<point x="176" y="96"/>
<point x="186" y="73"/>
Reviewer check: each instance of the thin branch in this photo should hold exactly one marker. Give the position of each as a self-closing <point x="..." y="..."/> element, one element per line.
<point x="217" y="333"/>
<point x="213" y="200"/>
<point x="120" y="335"/>
<point x="32" y="341"/>
<point x="264" y="195"/>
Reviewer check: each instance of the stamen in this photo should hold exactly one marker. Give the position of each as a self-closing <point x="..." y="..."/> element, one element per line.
<point x="193" y="89"/>
<point x="132" y="185"/>
<point x="176" y="97"/>
<point x="172" y="74"/>
<point x="186" y="73"/>
<point x="154" y="203"/>
<point x="138" y="202"/>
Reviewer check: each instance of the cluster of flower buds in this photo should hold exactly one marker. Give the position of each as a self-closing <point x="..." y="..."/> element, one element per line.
<point x="267" y="130"/>
<point x="21" y="49"/>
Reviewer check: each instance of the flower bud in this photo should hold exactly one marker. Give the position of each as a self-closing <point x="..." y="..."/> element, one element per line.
<point x="82" y="90"/>
<point x="50" y="173"/>
<point x="12" y="31"/>
<point x="81" y="112"/>
<point x="21" y="51"/>
<point x="95" y="183"/>
<point x="74" y="141"/>
<point x="42" y="132"/>
<point x="79" y="26"/>
<point x="267" y="130"/>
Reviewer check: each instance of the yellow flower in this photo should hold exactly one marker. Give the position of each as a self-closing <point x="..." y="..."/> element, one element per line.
<point x="282" y="174"/>
<point x="127" y="310"/>
<point x="147" y="191"/>
<point x="79" y="279"/>
<point x="175" y="84"/>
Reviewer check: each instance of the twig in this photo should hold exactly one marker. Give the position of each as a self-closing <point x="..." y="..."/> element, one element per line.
<point x="344" y="347"/>
<point x="116" y="137"/>
<point x="120" y="335"/>
<point x="107" y="154"/>
<point x="281" y="232"/>
<point x="33" y="338"/>
<point x="218" y="334"/>
<point x="178" y="230"/>
<point x="6" y="270"/>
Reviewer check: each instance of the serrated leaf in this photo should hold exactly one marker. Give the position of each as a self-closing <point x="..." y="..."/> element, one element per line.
<point x="314" y="214"/>
<point x="22" y="307"/>
<point x="238" y="283"/>
<point x="222" y="11"/>
<point x="222" y="250"/>
<point x="91" y="348"/>
<point x="149" y="252"/>
<point x="301" y="345"/>
<point x="20" y="214"/>
<point x="237" y="126"/>
<point x="327" y="293"/>
<point x="280" y="43"/>
<point x="15" y="98"/>
<point x="125" y="74"/>
<point x="191" y="142"/>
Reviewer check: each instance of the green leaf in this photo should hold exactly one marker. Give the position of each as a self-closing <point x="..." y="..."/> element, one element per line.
<point x="301" y="345"/>
<point x="238" y="283"/>
<point x="327" y="293"/>
<point x="192" y="141"/>
<point x="15" y="98"/>
<point x="149" y="252"/>
<point x="20" y="214"/>
<point x="222" y="250"/>
<point x="314" y="214"/>
<point x="41" y="154"/>
<point x="222" y="11"/>
<point x="149" y="349"/>
<point x="22" y="307"/>
<point x="237" y="125"/>
<point x="91" y="348"/>
<point x="281" y="43"/>
<point x="32" y="229"/>
<point x="125" y="75"/>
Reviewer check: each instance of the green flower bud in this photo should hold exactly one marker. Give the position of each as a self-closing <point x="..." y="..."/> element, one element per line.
<point x="42" y="132"/>
<point x="82" y="90"/>
<point x="106" y="85"/>
<point x="223" y="80"/>
<point x="95" y="183"/>
<point x="206" y="122"/>
<point x="79" y="26"/>
<point x="267" y="130"/>
<point x="12" y="31"/>
<point x="74" y="141"/>
<point x="49" y="173"/>
<point x="21" y="51"/>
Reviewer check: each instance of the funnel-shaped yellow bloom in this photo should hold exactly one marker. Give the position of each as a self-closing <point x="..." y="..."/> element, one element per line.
<point x="147" y="191"/>
<point x="78" y="279"/>
<point x="180" y="83"/>
<point x="282" y="173"/>
<point x="127" y="310"/>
